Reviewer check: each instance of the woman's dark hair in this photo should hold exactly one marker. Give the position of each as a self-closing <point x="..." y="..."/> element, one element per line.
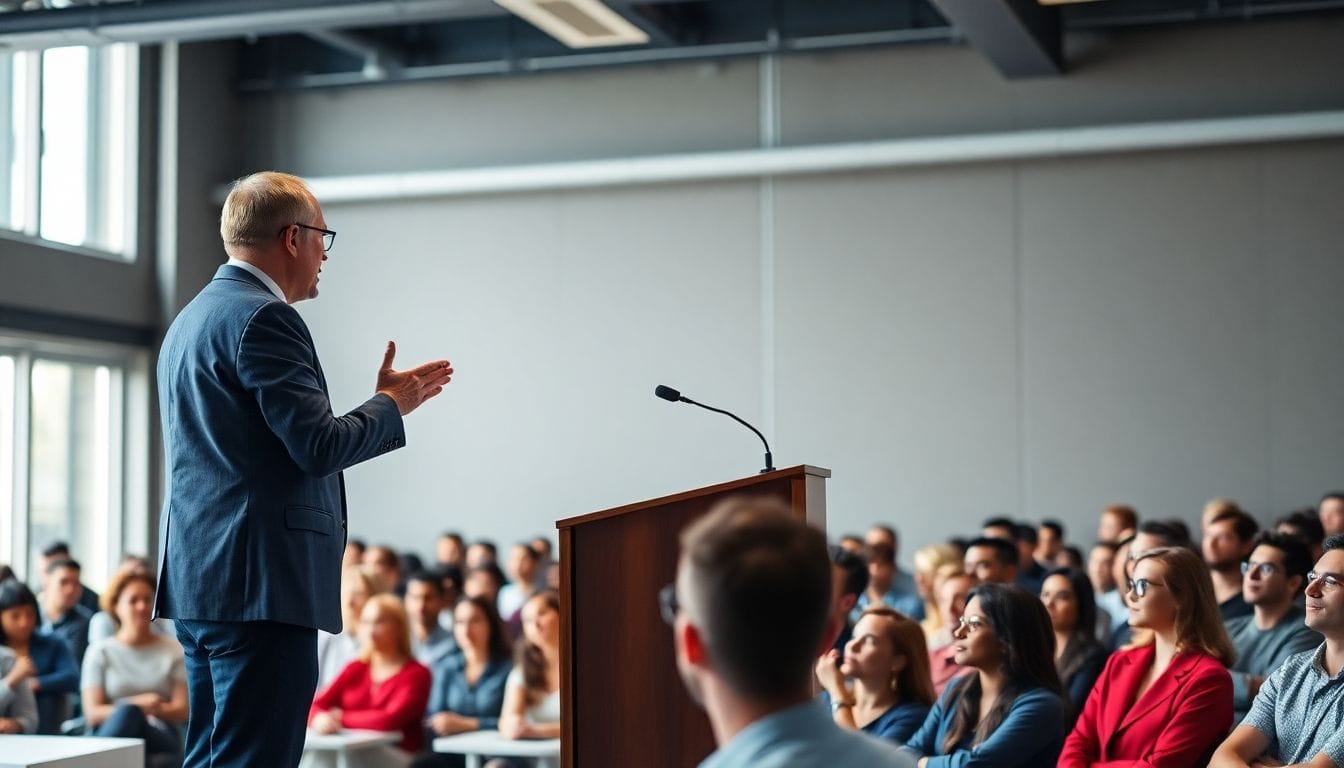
<point x="13" y="594"/>
<point x="497" y="647"/>
<point x="531" y="660"/>
<point x="1021" y="625"/>
<point x="1083" y="639"/>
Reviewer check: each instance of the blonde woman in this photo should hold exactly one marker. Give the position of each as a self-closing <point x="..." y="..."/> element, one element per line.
<point x="930" y="564"/>
<point x="889" y="665"/>
<point x="384" y="688"/>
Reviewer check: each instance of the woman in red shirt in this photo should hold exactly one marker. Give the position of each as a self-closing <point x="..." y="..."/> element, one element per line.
<point x="1166" y="703"/>
<point x="385" y="689"/>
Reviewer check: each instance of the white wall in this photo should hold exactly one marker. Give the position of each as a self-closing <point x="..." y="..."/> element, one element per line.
<point x="1035" y="338"/>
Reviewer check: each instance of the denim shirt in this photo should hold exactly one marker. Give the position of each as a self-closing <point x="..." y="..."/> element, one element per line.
<point x="452" y="692"/>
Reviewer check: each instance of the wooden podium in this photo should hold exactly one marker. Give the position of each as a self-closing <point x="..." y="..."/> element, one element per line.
<point x="623" y="701"/>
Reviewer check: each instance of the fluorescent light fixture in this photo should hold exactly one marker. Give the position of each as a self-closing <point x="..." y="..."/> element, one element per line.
<point x="577" y="23"/>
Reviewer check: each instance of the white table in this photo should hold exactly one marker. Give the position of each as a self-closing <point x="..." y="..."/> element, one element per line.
<point x="70" y="752"/>
<point x="478" y="744"/>
<point x="347" y="741"/>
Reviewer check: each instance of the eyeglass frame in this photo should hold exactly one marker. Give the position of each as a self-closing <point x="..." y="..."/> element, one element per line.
<point x="1329" y="581"/>
<point x="668" y="604"/>
<point x="1266" y="569"/>
<point x="1140" y="586"/>
<point x="974" y="624"/>
<point x="326" y="233"/>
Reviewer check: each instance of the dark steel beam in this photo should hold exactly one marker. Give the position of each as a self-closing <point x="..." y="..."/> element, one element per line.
<point x="1021" y="38"/>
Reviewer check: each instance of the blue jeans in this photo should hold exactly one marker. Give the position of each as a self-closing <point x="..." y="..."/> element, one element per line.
<point x="251" y="684"/>
<point x="128" y="721"/>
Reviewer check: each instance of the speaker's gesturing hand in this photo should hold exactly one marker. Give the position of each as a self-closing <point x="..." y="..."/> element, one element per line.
<point x="411" y="388"/>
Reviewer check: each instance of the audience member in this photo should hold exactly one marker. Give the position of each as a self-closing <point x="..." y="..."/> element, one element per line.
<point x="1168" y="703"/>
<point x="1331" y="512"/>
<point x="1049" y="543"/>
<point x="430" y="642"/>
<point x="134" y="684"/>
<point x="849" y="578"/>
<point x="522" y="584"/>
<point x="992" y="560"/>
<point x="358" y="584"/>
<point x="532" y="691"/>
<point x="1161" y="533"/>
<point x="930" y="561"/>
<point x="902" y="585"/>
<point x="1118" y="521"/>
<point x="1306" y="525"/>
<point x="1071" y="557"/>
<point x="999" y="528"/>
<point x="887" y="661"/>
<point x="1100" y="558"/>
<point x="18" y="708"/>
<point x="451" y="549"/>
<point x="953" y="593"/>
<point x="749" y="611"/>
<point x="62" y="613"/>
<point x="59" y="550"/>
<point x="1029" y="572"/>
<point x="451" y="579"/>
<point x="882" y="587"/>
<point x="1212" y="509"/>
<point x="1297" y="717"/>
<point x="44" y="664"/>
<point x="541" y="546"/>
<point x="385" y="688"/>
<point x="468" y="692"/>
<point x="354" y="553"/>
<point x="1113" y="601"/>
<point x="1274" y="576"/>
<point x="484" y="581"/>
<point x="386" y="565"/>
<point x="1079" y="655"/>
<point x="482" y="553"/>
<point x="852" y="542"/>
<point x="103" y="626"/>
<point x="1228" y="539"/>
<point x="410" y="563"/>
<point x="1009" y="712"/>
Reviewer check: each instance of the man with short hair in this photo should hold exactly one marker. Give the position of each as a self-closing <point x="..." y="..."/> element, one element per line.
<point x="450" y="550"/>
<point x="59" y="550"/>
<point x="254" y="516"/>
<point x="430" y="642"/>
<point x="902" y="584"/>
<point x="1118" y="521"/>
<point x="992" y="560"/>
<point x="1274" y="574"/>
<point x="1306" y="525"/>
<point x="750" y="612"/>
<point x="1228" y="539"/>
<point x="881" y="587"/>
<point x="62" y="614"/>
<point x="849" y="579"/>
<point x="1331" y="512"/>
<point x="1049" y="542"/>
<point x="480" y="553"/>
<point x="1297" y="718"/>
<point x="1030" y="574"/>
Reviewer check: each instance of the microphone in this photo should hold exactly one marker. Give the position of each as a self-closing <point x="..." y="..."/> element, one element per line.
<point x="673" y="396"/>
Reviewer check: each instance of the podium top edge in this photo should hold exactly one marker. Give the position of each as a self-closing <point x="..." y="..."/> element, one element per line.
<point x="801" y="470"/>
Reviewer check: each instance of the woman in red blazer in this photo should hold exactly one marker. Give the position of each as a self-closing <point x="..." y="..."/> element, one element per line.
<point x="1167" y="703"/>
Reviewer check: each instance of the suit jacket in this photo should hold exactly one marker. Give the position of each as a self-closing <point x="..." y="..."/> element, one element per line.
<point x="1176" y="723"/>
<point x="254" y="518"/>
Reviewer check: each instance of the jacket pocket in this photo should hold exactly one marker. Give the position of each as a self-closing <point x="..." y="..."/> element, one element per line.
<point x="309" y="519"/>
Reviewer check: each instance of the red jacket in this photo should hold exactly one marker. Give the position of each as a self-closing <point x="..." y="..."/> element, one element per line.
<point x="1177" y="723"/>
<point x="396" y="704"/>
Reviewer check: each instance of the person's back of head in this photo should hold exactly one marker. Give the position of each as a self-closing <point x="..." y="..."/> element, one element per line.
<point x="852" y="567"/>
<point x="755" y="590"/>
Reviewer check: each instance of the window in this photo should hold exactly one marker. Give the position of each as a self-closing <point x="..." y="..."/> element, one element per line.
<point x="71" y="465"/>
<point x="68" y="128"/>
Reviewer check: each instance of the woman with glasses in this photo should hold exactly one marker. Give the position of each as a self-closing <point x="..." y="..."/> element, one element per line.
<point x="1167" y="703"/>
<point x="889" y="665"/>
<point x="1079" y="655"/>
<point x="1009" y="712"/>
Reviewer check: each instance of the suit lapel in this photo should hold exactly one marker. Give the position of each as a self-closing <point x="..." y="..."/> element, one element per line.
<point x="1162" y="689"/>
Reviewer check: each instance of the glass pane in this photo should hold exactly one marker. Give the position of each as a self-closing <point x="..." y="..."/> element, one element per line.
<point x="7" y="397"/>
<point x="70" y="462"/>
<point x="65" y="145"/>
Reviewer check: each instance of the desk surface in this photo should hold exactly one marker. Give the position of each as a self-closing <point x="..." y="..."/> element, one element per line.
<point x="491" y="743"/>
<point x="56" y="750"/>
<point x="349" y="739"/>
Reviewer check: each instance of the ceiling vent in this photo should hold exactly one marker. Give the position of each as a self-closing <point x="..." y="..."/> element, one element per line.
<point x="577" y="23"/>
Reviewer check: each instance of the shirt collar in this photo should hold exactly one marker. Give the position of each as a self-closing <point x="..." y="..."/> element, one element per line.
<point x="797" y="723"/>
<point x="256" y="271"/>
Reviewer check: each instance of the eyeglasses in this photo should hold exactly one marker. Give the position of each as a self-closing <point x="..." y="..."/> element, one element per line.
<point x="1265" y="569"/>
<point x="328" y="235"/>
<point x="972" y="624"/>
<point x="667" y="603"/>
<point x="1329" y="581"/>
<point x="1140" y="586"/>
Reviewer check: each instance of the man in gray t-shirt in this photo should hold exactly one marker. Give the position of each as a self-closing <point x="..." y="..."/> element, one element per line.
<point x="1298" y="715"/>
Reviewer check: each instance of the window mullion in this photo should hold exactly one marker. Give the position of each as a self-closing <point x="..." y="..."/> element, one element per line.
<point x="23" y="363"/>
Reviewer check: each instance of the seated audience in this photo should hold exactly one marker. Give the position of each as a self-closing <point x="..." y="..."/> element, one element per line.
<point x="1071" y="557"/>
<point x="451" y="579"/>
<point x="952" y="596"/>
<point x="532" y="692"/>
<point x="1117" y="522"/>
<point x="18" y="707"/>
<point x="430" y="642"/>
<point x="354" y="553"/>
<point x="1212" y="509"/>
<point x="849" y="578"/>
<point x="1028" y="573"/>
<point x="385" y="688"/>
<point x="59" y="550"/>
<point x="386" y="566"/>
<point x="749" y="611"/>
<point x="852" y="542"/>
<point x="134" y="684"/>
<point x="44" y="665"/>
<point x="1297" y="717"/>
<point x="358" y="584"/>
<point x="1330" y="510"/>
<point x="546" y="562"/>
<point x="1304" y="524"/>
<point x="468" y="691"/>
<point x="522" y="573"/>
<point x="451" y="550"/>
<point x="931" y="563"/>
<point x="102" y="625"/>
<point x="484" y="581"/>
<point x="1079" y="655"/>
<point x="62" y="614"/>
<point x="888" y="664"/>
<point x="1228" y="539"/>
<point x="482" y="553"/>
<point x="882" y="589"/>
<point x="1009" y="712"/>
<point x="1049" y="543"/>
<point x="1113" y="600"/>
<point x="1275" y="573"/>
<point x="1168" y="703"/>
<point x="992" y="560"/>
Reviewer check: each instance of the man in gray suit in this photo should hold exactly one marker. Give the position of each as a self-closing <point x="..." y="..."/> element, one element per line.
<point x="254" y="520"/>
